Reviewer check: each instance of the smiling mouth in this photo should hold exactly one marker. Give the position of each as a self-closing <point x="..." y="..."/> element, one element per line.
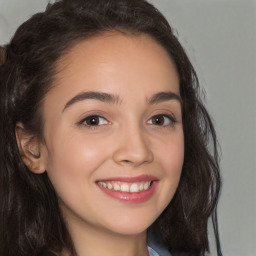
<point x="129" y="187"/>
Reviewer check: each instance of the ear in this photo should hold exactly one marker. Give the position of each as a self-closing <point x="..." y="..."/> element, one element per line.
<point x="32" y="151"/>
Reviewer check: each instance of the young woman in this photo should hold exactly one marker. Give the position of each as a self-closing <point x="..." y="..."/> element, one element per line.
<point x="105" y="144"/>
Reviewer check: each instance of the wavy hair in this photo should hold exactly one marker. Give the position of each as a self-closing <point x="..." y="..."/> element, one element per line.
<point x="31" y="222"/>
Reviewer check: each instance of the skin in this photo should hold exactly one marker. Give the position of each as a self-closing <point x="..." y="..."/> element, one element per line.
<point x="127" y="143"/>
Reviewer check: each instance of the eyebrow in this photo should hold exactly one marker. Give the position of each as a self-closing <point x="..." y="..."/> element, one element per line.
<point x="101" y="96"/>
<point x="114" y="99"/>
<point x="163" y="96"/>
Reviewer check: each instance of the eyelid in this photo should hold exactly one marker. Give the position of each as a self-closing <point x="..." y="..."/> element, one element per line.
<point x="93" y="112"/>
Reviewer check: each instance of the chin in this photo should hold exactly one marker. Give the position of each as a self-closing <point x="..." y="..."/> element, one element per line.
<point x="131" y="225"/>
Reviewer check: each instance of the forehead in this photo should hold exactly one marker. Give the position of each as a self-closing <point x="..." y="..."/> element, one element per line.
<point x="110" y="48"/>
<point x="115" y="63"/>
<point x="116" y="42"/>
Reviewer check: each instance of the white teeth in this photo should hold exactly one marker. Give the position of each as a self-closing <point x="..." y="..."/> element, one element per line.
<point x="146" y="185"/>
<point x="125" y="188"/>
<point x="134" y="188"/>
<point x="117" y="187"/>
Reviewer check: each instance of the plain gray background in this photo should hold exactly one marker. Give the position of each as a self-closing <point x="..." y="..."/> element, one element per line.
<point x="220" y="39"/>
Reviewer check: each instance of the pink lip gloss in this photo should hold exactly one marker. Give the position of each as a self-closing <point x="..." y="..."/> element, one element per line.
<point x="130" y="197"/>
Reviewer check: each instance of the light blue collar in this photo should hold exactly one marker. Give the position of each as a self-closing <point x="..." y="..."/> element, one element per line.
<point x="152" y="252"/>
<point x="155" y="244"/>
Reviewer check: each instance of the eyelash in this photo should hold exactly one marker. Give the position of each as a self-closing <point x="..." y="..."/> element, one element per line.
<point x="172" y="121"/>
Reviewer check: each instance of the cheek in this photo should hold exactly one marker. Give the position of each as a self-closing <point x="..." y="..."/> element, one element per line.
<point x="73" y="160"/>
<point x="171" y="153"/>
<point x="171" y="158"/>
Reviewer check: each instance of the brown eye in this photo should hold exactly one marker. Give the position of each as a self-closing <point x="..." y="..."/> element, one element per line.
<point x="158" y="120"/>
<point x="94" y="121"/>
<point x="162" y="120"/>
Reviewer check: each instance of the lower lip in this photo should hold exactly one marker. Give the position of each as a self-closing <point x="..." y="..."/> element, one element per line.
<point x="136" y="197"/>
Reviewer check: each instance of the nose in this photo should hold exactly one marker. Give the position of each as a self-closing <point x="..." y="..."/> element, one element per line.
<point x="133" y="147"/>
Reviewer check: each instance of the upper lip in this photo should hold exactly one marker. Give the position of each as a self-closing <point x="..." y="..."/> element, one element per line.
<point x="144" y="177"/>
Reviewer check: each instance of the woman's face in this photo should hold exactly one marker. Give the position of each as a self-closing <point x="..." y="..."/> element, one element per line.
<point x="113" y="124"/>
